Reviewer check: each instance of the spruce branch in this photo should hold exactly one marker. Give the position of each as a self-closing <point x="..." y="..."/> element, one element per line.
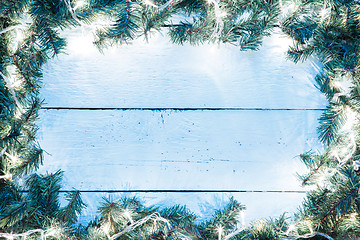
<point x="8" y="84"/>
<point x="70" y="213"/>
<point x="29" y="161"/>
<point x="330" y="123"/>
<point x="342" y="203"/>
<point x="13" y="214"/>
<point x="13" y="8"/>
<point x="125" y="27"/>
<point x="44" y="192"/>
<point x="225" y="219"/>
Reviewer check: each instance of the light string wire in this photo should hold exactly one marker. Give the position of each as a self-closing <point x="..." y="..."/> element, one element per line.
<point x="154" y="216"/>
<point x="43" y="234"/>
<point x="10" y="87"/>
<point x="72" y="12"/>
<point x="219" y="24"/>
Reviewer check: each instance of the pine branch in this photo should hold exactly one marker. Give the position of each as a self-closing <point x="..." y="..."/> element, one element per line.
<point x="225" y="219"/>
<point x="30" y="160"/>
<point x="44" y="192"/>
<point x="111" y="217"/>
<point x="69" y="213"/>
<point x="13" y="214"/>
<point x="339" y="204"/>
<point x="181" y="218"/>
<point x="13" y="8"/>
<point x="125" y="27"/>
<point x="314" y="163"/>
<point x="325" y="85"/>
<point x="48" y="37"/>
<point x="266" y="229"/>
<point x="29" y="60"/>
<point x="330" y="123"/>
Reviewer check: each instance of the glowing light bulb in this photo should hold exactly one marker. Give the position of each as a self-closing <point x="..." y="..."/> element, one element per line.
<point x="309" y="224"/>
<point x="290" y="229"/>
<point x="52" y="232"/>
<point x="14" y="159"/>
<point x="353" y="216"/>
<point x="220" y="231"/>
<point x="242" y="216"/>
<point x="18" y="114"/>
<point x="222" y="14"/>
<point x="149" y="3"/>
<point x="79" y="4"/>
<point x="127" y="213"/>
<point x="7" y="176"/>
<point x="323" y="13"/>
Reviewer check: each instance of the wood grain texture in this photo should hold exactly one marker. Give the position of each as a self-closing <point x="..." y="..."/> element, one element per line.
<point x="160" y="74"/>
<point x="251" y="150"/>
<point x="247" y="150"/>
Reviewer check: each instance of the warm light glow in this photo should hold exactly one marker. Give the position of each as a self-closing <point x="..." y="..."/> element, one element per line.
<point x="127" y="213"/>
<point x="16" y="84"/>
<point x="19" y="36"/>
<point x="52" y="232"/>
<point x="242" y="216"/>
<point x="222" y="14"/>
<point x="106" y="229"/>
<point x="309" y="224"/>
<point x="220" y="231"/>
<point x="7" y="176"/>
<point x="148" y="2"/>
<point x="79" y="4"/>
<point x="18" y="114"/>
<point x="14" y="159"/>
<point x="353" y="216"/>
<point x="289" y="8"/>
<point x="323" y="13"/>
<point x="290" y="229"/>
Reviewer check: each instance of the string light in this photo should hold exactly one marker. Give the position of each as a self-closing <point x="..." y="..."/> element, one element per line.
<point x="154" y="216"/>
<point x="14" y="159"/>
<point x="106" y="229"/>
<point x="353" y="216"/>
<point x="162" y="7"/>
<point x="43" y="234"/>
<point x="290" y="229"/>
<point x="9" y="29"/>
<point x="79" y="4"/>
<point x="220" y="231"/>
<point x="323" y="13"/>
<point x="9" y="85"/>
<point x="242" y="216"/>
<point x="219" y="24"/>
<point x="149" y="3"/>
<point x="3" y="151"/>
<point x="309" y="224"/>
<point x="7" y="176"/>
<point x="71" y="10"/>
<point x="127" y="213"/>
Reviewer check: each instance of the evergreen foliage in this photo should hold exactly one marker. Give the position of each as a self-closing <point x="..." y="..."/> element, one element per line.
<point x="327" y="30"/>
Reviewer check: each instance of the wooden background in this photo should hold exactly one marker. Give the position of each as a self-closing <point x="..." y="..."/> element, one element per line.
<point x="180" y="124"/>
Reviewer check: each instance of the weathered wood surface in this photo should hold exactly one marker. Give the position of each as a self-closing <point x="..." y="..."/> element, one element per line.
<point x="248" y="150"/>
<point x="160" y="74"/>
<point x="243" y="150"/>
